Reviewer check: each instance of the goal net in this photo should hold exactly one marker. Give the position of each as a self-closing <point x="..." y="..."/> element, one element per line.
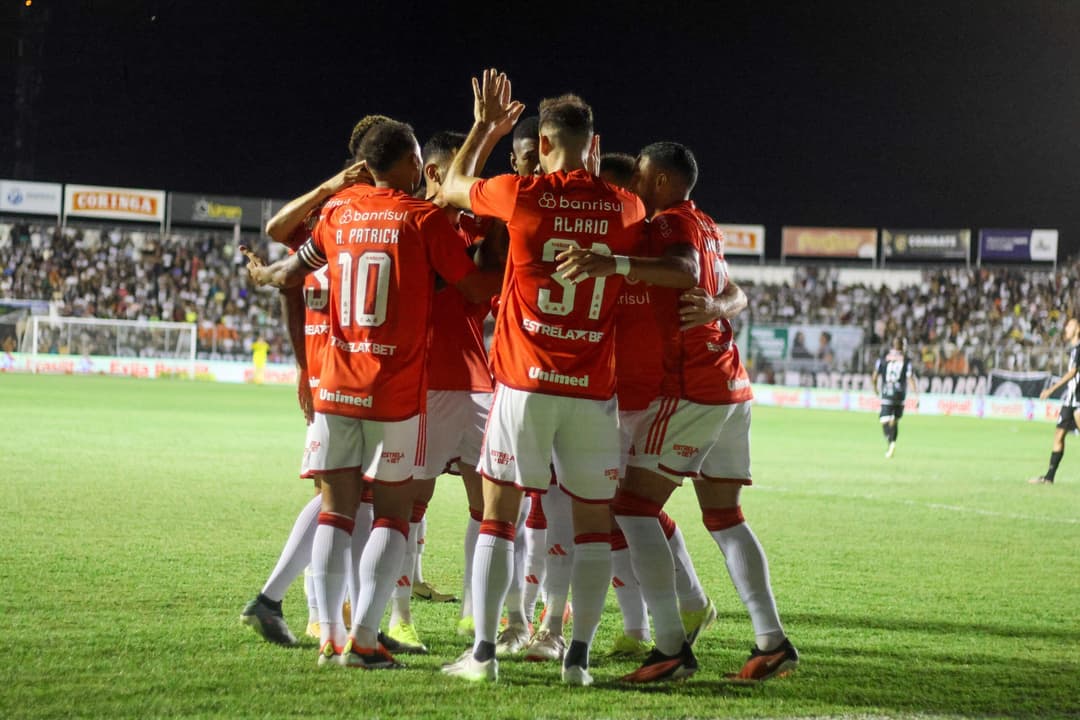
<point x="94" y="341"/>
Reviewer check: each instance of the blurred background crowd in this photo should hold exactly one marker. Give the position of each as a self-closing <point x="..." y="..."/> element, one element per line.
<point x="957" y="321"/>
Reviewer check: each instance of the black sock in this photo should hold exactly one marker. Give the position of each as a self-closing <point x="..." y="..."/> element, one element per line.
<point x="1055" y="460"/>
<point x="274" y="605"/>
<point x="577" y="654"/>
<point x="885" y="431"/>
<point x="484" y="651"/>
<point x="895" y="432"/>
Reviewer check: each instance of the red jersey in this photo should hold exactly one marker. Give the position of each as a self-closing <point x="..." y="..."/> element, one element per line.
<point x="639" y="366"/>
<point x="701" y="364"/>
<point x="552" y="336"/>
<point x="458" y="359"/>
<point x="316" y="303"/>
<point x="382" y="248"/>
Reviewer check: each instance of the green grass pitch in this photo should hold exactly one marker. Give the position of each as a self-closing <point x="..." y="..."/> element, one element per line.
<point x="137" y="517"/>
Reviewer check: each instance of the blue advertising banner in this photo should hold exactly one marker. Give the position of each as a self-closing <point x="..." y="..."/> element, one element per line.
<point x="1018" y="245"/>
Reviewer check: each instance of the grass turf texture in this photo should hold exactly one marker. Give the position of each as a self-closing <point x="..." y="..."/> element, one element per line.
<point x="139" y="516"/>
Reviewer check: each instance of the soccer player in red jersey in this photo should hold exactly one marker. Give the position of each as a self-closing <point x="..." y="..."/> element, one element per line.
<point x="552" y="357"/>
<point x="699" y="428"/>
<point x="639" y="371"/>
<point x="383" y="248"/>
<point x="459" y="390"/>
<point x="305" y="310"/>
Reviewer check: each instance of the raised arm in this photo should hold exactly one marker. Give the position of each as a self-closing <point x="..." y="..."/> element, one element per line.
<point x="288" y="218"/>
<point x="494" y="115"/>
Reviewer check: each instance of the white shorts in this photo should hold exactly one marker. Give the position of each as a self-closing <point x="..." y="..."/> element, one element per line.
<point x="629" y="423"/>
<point x="305" y="469"/>
<point x="382" y="451"/>
<point x="528" y="432"/>
<point x="455" y="430"/>
<point x="681" y="439"/>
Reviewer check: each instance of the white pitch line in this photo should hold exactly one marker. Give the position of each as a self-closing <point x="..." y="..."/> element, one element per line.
<point x="931" y="506"/>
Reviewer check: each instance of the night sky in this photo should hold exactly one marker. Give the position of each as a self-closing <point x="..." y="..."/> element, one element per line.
<point x="914" y="114"/>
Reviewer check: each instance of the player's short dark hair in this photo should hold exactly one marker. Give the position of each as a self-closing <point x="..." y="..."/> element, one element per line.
<point x="566" y="116"/>
<point x="675" y="158"/>
<point x="386" y="143"/>
<point x="899" y="343"/>
<point x="527" y="129"/>
<point x="359" y="131"/>
<point x="442" y="145"/>
<point x="619" y="165"/>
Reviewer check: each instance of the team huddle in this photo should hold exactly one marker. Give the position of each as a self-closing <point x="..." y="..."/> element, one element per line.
<point x="613" y="377"/>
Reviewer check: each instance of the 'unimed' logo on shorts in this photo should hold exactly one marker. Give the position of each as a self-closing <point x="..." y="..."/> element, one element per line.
<point x="501" y="457"/>
<point x="685" y="450"/>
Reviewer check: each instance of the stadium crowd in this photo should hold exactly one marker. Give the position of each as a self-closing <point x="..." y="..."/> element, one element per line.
<point x="141" y="275"/>
<point x="957" y="321"/>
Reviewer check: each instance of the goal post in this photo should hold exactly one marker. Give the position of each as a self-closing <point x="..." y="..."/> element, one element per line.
<point x="51" y="336"/>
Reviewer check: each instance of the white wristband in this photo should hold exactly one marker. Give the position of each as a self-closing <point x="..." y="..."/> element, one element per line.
<point x="622" y="264"/>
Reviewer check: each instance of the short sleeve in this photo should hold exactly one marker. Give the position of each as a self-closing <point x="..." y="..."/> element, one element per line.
<point x="496" y="197"/>
<point x="446" y="249"/>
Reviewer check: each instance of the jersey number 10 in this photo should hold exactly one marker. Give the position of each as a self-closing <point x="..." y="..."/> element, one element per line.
<point x="364" y="297"/>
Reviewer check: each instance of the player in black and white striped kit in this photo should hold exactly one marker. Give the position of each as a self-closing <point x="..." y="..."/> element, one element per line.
<point x="1069" y="403"/>
<point x="894" y="370"/>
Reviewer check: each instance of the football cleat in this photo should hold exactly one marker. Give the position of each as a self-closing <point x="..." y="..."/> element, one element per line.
<point x="1040" y="480"/>
<point x="629" y="647"/>
<point x="389" y="644"/>
<point x="407" y="638"/>
<point x="659" y="667"/>
<point x="425" y="591"/>
<point x="466" y="626"/>
<point x="545" y="645"/>
<point x="329" y="654"/>
<point x="368" y="658"/>
<point x="267" y="622"/>
<point x="312" y="630"/>
<point x="576" y="675"/>
<point x="512" y="639"/>
<point x="763" y="665"/>
<point x="469" y="668"/>
<point x="696" y="622"/>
